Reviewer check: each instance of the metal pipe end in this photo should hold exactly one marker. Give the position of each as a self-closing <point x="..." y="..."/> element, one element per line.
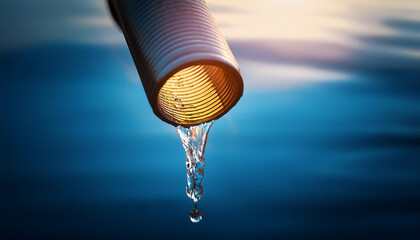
<point x="188" y="71"/>
<point x="199" y="93"/>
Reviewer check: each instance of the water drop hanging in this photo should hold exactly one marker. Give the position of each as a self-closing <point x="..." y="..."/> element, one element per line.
<point x="194" y="139"/>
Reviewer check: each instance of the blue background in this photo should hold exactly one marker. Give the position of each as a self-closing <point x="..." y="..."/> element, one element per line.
<point x="83" y="156"/>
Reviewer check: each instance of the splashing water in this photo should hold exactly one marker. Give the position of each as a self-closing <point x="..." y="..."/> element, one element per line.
<point x="194" y="140"/>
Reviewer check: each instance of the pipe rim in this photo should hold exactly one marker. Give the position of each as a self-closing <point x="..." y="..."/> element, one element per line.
<point x="236" y="82"/>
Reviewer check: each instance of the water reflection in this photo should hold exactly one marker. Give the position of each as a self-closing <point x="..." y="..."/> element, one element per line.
<point x="349" y="37"/>
<point x="324" y="144"/>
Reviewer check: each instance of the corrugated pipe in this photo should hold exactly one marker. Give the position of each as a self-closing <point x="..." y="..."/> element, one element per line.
<point x="187" y="69"/>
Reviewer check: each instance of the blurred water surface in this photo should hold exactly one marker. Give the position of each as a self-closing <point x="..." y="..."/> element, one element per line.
<point x="325" y="142"/>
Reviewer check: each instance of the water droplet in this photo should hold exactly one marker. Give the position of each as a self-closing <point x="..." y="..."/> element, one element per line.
<point x="195" y="215"/>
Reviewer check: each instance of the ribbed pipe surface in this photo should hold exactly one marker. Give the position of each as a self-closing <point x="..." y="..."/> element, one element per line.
<point x="187" y="69"/>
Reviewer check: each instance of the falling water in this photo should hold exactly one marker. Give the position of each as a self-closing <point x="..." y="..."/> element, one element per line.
<point x="194" y="140"/>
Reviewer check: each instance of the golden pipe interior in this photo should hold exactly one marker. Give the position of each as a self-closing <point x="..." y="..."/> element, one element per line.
<point x="197" y="94"/>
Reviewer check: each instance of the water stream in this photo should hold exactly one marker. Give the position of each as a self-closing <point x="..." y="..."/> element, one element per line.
<point x="194" y="140"/>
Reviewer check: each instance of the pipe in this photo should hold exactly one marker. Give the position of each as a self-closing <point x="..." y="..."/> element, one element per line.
<point x="188" y="72"/>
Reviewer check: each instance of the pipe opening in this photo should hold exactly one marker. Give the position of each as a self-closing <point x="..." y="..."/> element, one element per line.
<point x="197" y="94"/>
